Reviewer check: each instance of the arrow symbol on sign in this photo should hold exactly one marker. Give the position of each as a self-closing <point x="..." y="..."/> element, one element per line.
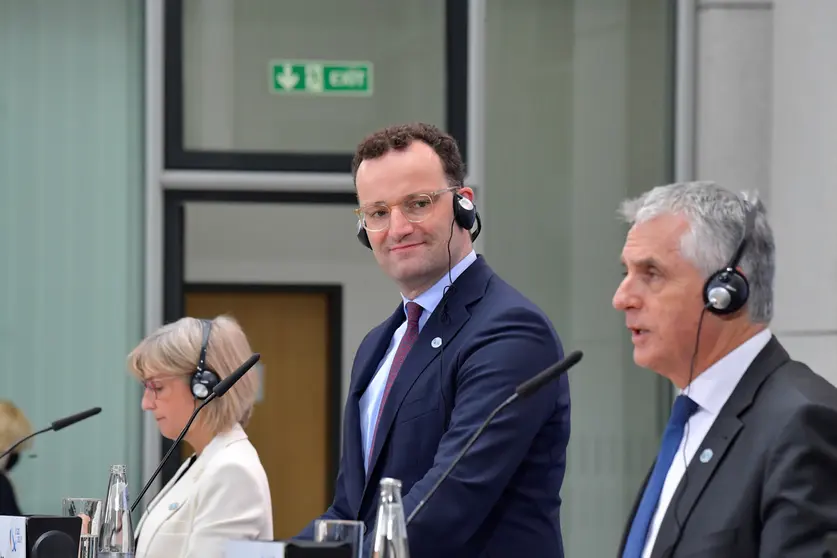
<point x="287" y="79"/>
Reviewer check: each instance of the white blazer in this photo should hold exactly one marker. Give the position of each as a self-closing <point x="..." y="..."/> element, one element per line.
<point x="224" y="495"/>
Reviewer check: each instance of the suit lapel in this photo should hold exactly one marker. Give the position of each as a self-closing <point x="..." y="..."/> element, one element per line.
<point x="364" y="369"/>
<point x="470" y="287"/>
<point x="719" y="439"/>
<point x="161" y="495"/>
<point x="378" y="342"/>
<point x="176" y="492"/>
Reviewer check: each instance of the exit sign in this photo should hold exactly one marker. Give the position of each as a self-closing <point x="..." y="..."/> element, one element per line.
<point x="320" y="77"/>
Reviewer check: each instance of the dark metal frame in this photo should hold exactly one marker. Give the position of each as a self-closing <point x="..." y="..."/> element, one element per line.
<point x="177" y="157"/>
<point x="175" y="289"/>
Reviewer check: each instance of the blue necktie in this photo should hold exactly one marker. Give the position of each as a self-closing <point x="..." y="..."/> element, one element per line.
<point x="680" y="413"/>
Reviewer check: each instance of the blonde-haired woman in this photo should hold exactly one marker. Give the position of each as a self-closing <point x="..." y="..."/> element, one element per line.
<point x="221" y="492"/>
<point x="13" y="426"/>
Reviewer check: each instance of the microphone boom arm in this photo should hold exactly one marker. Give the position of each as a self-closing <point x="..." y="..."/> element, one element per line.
<point x="171" y="450"/>
<point x="11" y="448"/>
<point x="511" y="399"/>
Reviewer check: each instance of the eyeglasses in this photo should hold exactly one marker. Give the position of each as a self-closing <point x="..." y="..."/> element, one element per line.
<point x="152" y="386"/>
<point x="415" y="208"/>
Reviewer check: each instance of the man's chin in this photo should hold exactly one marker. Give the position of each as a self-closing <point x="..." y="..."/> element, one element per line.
<point x="643" y="358"/>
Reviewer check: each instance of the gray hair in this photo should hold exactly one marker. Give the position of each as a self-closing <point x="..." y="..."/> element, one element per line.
<point x="716" y="219"/>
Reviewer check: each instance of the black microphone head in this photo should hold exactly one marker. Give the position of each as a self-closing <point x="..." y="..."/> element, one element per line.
<point x="572" y="359"/>
<point x="72" y="419"/>
<point x="532" y="385"/>
<point x="224" y="385"/>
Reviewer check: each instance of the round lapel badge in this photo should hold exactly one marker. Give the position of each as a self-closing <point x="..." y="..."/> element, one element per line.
<point x="436" y="343"/>
<point x="706" y="455"/>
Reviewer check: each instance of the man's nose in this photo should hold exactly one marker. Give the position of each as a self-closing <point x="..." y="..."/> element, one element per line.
<point x="399" y="225"/>
<point x="623" y="298"/>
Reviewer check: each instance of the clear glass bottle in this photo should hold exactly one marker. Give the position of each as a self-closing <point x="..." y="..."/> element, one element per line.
<point x="116" y="532"/>
<point x="390" y="527"/>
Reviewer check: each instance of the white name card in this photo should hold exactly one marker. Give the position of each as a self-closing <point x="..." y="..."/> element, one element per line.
<point x="254" y="549"/>
<point x="12" y="536"/>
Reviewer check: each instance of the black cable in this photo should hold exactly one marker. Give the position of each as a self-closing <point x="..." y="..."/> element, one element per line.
<point x="685" y="480"/>
<point x="444" y="317"/>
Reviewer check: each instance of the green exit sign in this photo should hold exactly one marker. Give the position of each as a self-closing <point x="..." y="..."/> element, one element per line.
<point x="320" y="77"/>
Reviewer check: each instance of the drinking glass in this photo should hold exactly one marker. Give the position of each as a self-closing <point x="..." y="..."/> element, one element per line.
<point x="340" y="530"/>
<point x="90" y="511"/>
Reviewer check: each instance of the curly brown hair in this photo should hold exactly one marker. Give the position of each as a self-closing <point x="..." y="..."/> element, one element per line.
<point x="400" y="136"/>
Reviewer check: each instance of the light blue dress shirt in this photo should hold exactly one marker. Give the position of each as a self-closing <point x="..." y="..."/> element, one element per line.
<point x="370" y="402"/>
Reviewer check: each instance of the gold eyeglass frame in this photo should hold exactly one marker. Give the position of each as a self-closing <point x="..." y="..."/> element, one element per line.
<point x="432" y="196"/>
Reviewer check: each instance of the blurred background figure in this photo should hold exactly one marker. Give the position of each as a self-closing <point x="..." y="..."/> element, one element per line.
<point x="221" y="492"/>
<point x="13" y="426"/>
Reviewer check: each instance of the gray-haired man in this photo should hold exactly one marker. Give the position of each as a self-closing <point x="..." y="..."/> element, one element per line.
<point x="748" y="462"/>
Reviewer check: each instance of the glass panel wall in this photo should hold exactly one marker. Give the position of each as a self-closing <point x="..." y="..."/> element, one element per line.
<point x="578" y="117"/>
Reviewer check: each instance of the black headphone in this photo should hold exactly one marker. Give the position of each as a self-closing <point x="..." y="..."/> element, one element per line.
<point x="465" y="214"/>
<point x="727" y="290"/>
<point x="203" y="379"/>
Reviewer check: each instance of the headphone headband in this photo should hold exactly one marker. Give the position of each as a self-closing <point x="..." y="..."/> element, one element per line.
<point x="203" y="379"/>
<point x="749" y="226"/>
<point x="206" y="327"/>
<point x="727" y="290"/>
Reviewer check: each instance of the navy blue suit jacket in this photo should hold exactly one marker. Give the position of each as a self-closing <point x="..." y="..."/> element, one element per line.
<point x="503" y="498"/>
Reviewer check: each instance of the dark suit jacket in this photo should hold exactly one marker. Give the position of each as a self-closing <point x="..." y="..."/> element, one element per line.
<point x="770" y="489"/>
<point x="503" y="497"/>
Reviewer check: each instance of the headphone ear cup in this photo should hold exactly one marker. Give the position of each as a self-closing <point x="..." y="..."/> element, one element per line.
<point x="362" y="236"/>
<point x="726" y="292"/>
<point x="464" y="212"/>
<point x="203" y="382"/>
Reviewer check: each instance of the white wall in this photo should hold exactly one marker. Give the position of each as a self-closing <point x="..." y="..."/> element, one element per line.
<point x="291" y="243"/>
<point x="582" y="125"/>
<point x="767" y="120"/>
<point x="733" y="94"/>
<point x="804" y="182"/>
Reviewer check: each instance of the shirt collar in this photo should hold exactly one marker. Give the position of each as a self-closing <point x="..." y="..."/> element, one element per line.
<point x="431" y="298"/>
<point x="711" y="389"/>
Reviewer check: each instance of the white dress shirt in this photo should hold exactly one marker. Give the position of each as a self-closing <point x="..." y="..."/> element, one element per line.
<point x="370" y="402"/>
<point x="710" y="391"/>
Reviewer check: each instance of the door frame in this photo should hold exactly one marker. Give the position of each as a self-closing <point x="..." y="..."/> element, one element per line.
<point x="175" y="288"/>
<point x="457" y="30"/>
<point x="164" y="185"/>
<point x="334" y="374"/>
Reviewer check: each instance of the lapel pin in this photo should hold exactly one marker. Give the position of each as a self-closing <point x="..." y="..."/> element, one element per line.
<point x="173" y="506"/>
<point x="706" y="455"/>
<point x="436" y="343"/>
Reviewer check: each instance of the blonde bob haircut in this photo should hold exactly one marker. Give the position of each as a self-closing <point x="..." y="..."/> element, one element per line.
<point x="13" y="426"/>
<point x="173" y="350"/>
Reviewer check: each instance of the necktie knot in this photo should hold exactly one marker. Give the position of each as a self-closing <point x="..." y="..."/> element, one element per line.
<point x="413" y="313"/>
<point x="682" y="411"/>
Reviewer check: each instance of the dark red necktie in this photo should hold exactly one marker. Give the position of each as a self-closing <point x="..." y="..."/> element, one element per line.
<point x="413" y="314"/>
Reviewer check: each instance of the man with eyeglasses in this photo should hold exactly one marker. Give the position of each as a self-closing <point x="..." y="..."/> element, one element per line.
<point x="456" y="346"/>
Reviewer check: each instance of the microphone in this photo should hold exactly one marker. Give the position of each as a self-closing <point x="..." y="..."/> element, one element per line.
<point x="220" y="389"/>
<point x="72" y="419"/>
<point x="529" y="387"/>
<point x="523" y="390"/>
<point x="55" y="426"/>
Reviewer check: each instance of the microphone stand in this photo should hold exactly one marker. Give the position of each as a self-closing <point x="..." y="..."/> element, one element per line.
<point x="511" y="399"/>
<point x="183" y="432"/>
<point x="11" y="448"/>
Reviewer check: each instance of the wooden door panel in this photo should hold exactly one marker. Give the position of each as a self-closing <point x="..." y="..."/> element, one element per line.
<point x="289" y="427"/>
